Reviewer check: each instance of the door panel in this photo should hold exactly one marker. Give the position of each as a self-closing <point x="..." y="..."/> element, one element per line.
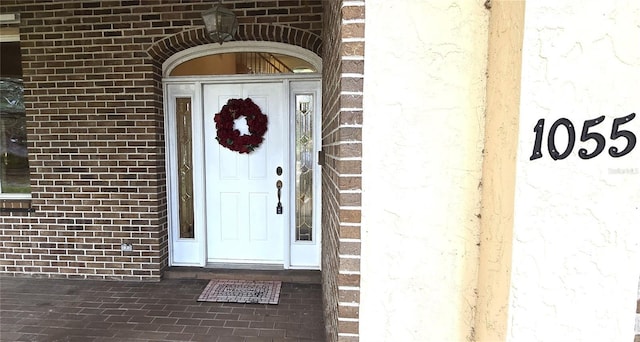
<point x="257" y="230"/>
<point x="240" y="191"/>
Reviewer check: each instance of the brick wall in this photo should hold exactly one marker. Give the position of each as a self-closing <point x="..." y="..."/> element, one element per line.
<point x="343" y="68"/>
<point x="95" y="126"/>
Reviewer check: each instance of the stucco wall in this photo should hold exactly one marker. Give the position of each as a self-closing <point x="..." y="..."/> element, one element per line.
<point x="424" y="91"/>
<point x="575" y="248"/>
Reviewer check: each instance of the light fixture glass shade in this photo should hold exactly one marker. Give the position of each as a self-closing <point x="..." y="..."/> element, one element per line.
<point x="221" y="23"/>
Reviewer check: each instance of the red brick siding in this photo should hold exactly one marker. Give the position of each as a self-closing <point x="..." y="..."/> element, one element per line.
<point x="95" y="126"/>
<point x="343" y="66"/>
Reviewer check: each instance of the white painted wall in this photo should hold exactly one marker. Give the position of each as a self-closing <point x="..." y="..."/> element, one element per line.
<point x="425" y="63"/>
<point x="576" y="257"/>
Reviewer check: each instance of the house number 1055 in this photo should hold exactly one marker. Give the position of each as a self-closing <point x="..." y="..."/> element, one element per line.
<point x="583" y="153"/>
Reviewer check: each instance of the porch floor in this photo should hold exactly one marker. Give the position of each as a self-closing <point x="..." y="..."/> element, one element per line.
<point x="286" y="276"/>
<point x="37" y="309"/>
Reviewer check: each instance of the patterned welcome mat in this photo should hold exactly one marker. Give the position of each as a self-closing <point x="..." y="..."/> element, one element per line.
<point x="241" y="291"/>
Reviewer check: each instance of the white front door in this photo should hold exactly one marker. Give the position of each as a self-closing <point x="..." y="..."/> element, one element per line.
<point x="221" y="203"/>
<point x="241" y="194"/>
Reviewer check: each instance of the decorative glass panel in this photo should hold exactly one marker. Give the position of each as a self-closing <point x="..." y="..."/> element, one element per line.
<point x="304" y="167"/>
<point x="185" y="167"/>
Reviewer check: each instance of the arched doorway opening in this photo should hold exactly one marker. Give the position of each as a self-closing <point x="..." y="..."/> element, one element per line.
<point x="228" y="209"/>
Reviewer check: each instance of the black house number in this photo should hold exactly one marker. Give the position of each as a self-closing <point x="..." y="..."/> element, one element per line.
<point x="561" y="152"/>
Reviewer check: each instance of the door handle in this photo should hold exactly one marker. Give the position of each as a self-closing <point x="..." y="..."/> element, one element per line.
<point x="279" y="206"/>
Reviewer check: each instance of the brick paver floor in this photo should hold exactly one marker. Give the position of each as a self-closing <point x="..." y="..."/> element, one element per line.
<point x="34" y="309"/>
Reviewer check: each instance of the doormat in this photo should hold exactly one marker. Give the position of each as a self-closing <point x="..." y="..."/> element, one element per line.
<point x="241" y="291"/>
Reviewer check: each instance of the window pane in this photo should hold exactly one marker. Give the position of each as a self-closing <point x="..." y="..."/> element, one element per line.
<point x="14" y="165"/>
<point x="242" y="63"/>
<point x="185" y="167"/>
<point x="304" y="168"/>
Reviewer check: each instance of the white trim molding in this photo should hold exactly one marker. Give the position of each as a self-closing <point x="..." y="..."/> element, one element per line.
<point x="9" y="18"/>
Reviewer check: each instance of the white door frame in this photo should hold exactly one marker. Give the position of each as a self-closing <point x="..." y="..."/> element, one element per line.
<point x="191" y="87"/>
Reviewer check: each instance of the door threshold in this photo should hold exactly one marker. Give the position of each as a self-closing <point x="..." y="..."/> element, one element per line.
<point x="245" y="266"/>
<point x="286" y="276"/>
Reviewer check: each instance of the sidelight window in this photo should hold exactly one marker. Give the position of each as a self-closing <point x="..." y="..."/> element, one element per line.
<point x="185" y="167"/>
<point x="304" y="167"/>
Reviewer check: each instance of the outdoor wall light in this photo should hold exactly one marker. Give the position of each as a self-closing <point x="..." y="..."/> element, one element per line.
<point x="221" y="24"/>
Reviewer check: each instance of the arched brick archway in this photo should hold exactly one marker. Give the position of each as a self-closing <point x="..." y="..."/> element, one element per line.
<point x="160" y="51"/>
<point x="167" y="47"/>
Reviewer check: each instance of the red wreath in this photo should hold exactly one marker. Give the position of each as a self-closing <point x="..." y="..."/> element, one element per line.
<point x="230" y="137"/>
